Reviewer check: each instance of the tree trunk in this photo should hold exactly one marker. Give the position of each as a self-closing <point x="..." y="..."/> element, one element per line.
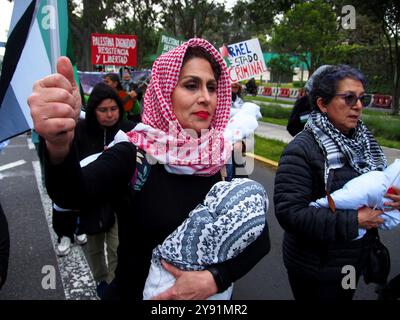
<point x="396" y="91"/>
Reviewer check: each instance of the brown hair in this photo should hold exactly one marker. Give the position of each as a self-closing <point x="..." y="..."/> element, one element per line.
<point x="199" y="52"/>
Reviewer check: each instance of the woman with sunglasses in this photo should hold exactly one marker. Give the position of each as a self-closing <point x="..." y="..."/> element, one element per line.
<point x="334" y="147"/>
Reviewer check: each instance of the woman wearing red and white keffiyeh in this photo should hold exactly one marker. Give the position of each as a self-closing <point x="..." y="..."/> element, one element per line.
<point x="186" y="109"/>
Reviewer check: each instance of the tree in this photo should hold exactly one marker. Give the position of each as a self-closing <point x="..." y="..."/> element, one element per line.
<point x="88" y="17"/>
<point x="307" y="30"/>
<point x="139" y="19"/>
<point x="387" y="14"/>
<point x="191" y="18"/>
<point x="363" y="48"/>
<point x="281" y="66"/>
<point x="254" y="17"/>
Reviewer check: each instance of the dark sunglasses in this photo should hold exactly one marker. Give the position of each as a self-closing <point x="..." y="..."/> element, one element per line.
<point x="351" y="99"/>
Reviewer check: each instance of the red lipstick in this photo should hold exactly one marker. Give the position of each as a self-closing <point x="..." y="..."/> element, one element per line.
<point x="202" y="114"/>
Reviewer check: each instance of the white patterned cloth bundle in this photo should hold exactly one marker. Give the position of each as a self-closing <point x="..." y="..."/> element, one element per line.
<point x="232" y="216"/>
<point x="243" y="123"/>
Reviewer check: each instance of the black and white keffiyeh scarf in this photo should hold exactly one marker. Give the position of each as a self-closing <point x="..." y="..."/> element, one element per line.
<point x="361" y="149"/>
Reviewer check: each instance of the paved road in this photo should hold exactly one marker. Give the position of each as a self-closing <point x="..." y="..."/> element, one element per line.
<point x="32" y="255"/>
<point x="273" y="131"/>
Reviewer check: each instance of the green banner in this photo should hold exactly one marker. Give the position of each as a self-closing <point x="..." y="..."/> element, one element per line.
<point x="167" y="43"/>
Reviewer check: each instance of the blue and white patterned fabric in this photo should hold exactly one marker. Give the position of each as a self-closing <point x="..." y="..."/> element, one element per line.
<point x="232" y="216"/>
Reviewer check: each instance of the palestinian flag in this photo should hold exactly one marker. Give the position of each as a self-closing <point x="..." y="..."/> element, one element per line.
<point x="28" y="58"/>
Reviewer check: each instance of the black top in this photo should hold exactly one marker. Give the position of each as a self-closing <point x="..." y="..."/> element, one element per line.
<point x="316" y="241"/>
<point x="4" y="247"/>
<point x="146" y="217"/>
<point x="299" y="115"/>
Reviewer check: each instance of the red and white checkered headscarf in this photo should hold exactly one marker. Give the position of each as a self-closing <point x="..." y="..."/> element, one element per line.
<point x="163" y="137"/>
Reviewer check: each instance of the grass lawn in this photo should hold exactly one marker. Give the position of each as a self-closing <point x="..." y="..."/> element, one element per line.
<point x="388" y="143"/>
<point x="267" y="99"/>
<point x="281" y="85"/>
<point x="281" y="122"/>
<point x="269" y="148"/>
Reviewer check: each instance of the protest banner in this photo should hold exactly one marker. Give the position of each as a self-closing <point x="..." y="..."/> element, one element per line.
<point x="167" y="43"/>
<point x="244" y="59"/>
<point x="111" y="49"/>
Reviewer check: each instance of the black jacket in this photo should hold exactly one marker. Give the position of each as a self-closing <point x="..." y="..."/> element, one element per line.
<point x="4" y="247"/>
<point x="317" y="241"/>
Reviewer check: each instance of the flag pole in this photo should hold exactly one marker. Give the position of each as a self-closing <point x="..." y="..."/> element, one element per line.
<point x="55" y="50"/>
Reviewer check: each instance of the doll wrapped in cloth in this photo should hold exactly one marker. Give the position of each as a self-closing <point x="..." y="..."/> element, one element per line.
<point x="368" y="189"/>
<point x="232" y="215"/>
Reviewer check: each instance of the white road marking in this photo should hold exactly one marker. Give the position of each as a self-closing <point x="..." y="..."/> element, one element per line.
<point x="30" y="143"/>
<point x="12" y="165"/>
<point x="19" y="173"/>
<point x="77" y="279"/>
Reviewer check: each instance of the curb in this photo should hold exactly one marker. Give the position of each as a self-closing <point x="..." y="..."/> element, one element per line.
<point x="266" y="161"/>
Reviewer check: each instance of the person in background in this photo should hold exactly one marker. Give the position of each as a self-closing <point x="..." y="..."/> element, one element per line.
<point x="302" y="107"/>
<point x="188" y="100"/>
<point x="135" y="92"/>
<point x="334" y="147"/>
<point x="67" y="228"/>
<point x="251" y="87"/>
<point x="104" y="118"/>
<point x="237" y="100"/>
<point x="129" y="100"/>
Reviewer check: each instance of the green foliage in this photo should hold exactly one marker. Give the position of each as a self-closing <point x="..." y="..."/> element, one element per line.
<point x="385" y="126"/>
<point x="299" y="84"/>
<point x="269" y="148"/>
<point x="307" y="28"/>
<point x="386" y="13"/>
<point x="141" y="22"/>
<point x="190" y="18"/>
<point x="388" y="143"/>
<point x="369" y="59"/>
<point x="281" y="67"/>
<point x="275" y="111"/>
<point x="268" y="100"/>
<point x="250" y="18"/>
<point x="279" y="122"/>
<point x="89" y="17"/>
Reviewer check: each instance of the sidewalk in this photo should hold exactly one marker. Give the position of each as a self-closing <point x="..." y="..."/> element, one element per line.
<point x="273" y="131"/>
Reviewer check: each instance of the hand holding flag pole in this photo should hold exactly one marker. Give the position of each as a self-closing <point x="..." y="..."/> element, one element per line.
<point x="55" y="106"/>
<point x="54" y="36"/>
